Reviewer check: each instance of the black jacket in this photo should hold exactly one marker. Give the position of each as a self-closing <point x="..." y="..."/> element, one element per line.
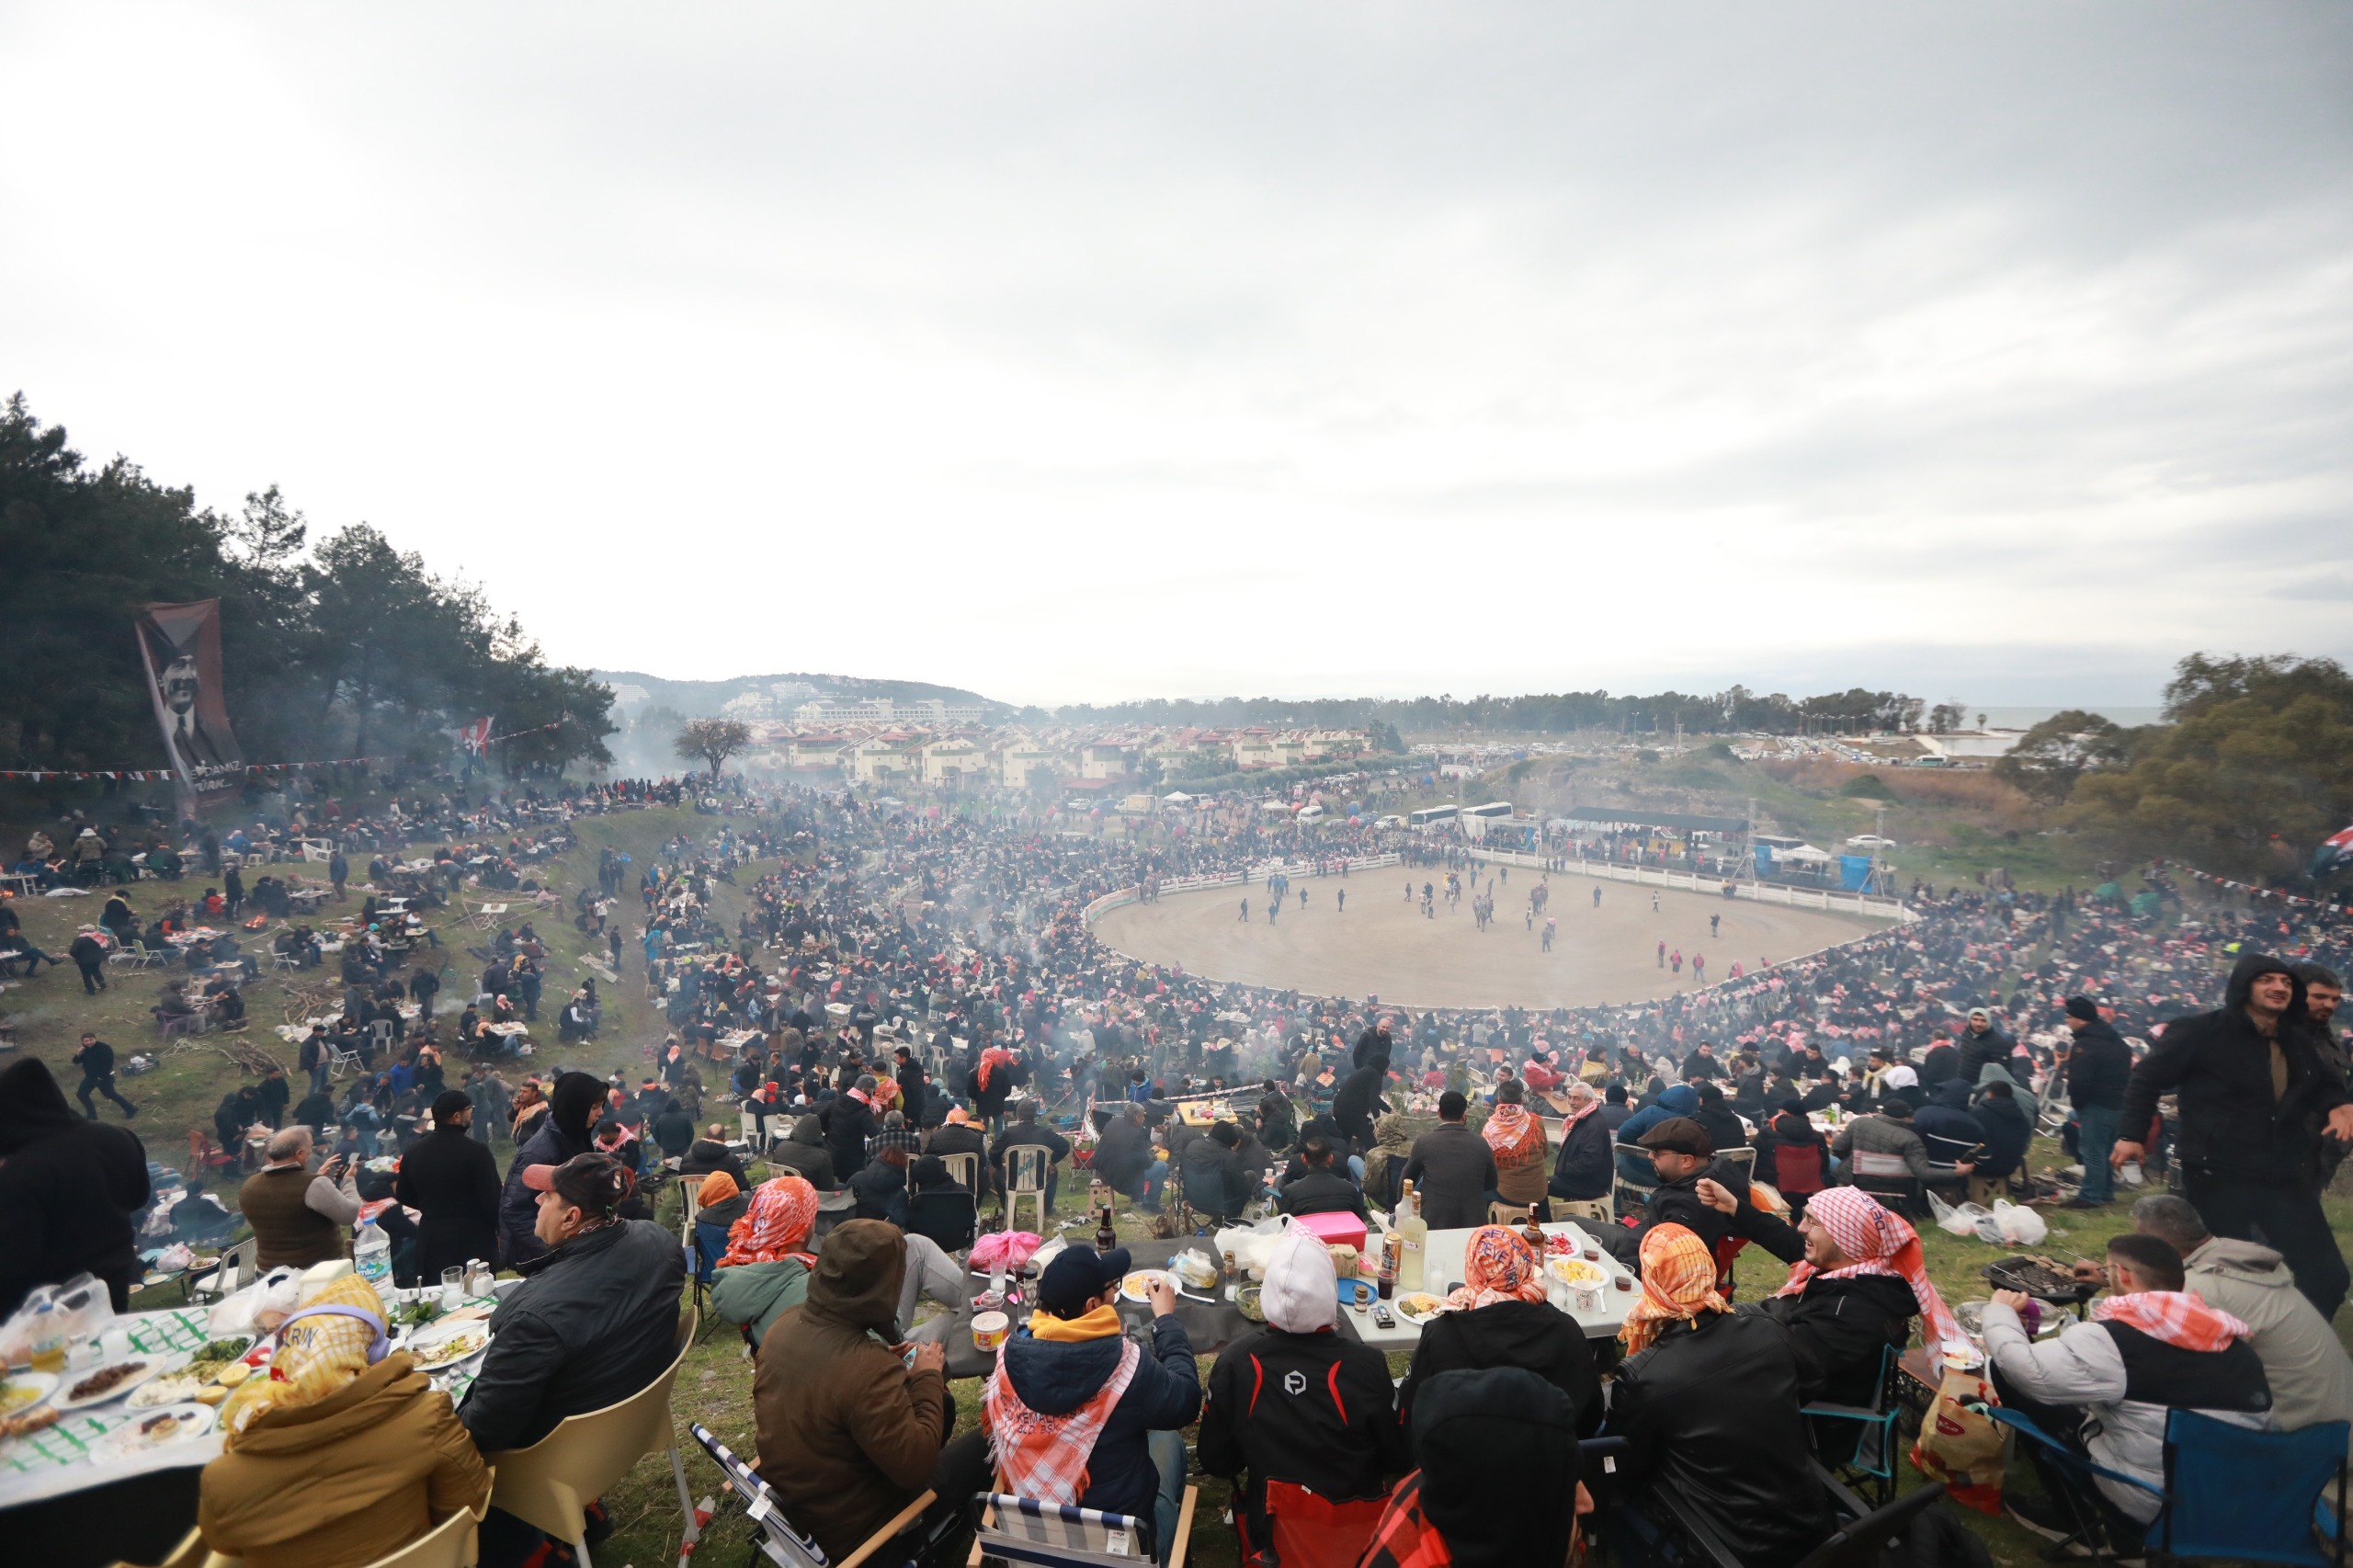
<point x="1321" y="1192"/>
<point x="1122" y="1155"/>
<point x="882" y="1193"/>
<point x="453" y="1182"/>
<point x="574" y="1106"/>
<point x="2007" y="1136"/>
<point x="1724" y="1129"/>
<point x="1841" y="1328"/>
<point x="1586" y="1169"/>
<point x="1710" y="1412"/>
<point x="848" y="1124"/>
<point x="803" y="1154"/>
<point x="1313" y="1409"/>
<point x="593" y="1322"/>
<point x="2098" y="1067"/>
<point x="68" y="1188"/>
<point x="1505" y="1334"/>
<point x="1360" y="1101"/>
<point x="2220" y="1067"/>
<point x="1977" y="1050"/>
<point x="673" y="1131"/>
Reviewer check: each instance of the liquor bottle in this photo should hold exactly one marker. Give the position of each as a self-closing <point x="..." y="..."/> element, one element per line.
<point x="1107" y="1238"/>
<point x="1387" y="1283"/>
<point x="1413" y="1235"/>
<point x="1533" y="1232"/>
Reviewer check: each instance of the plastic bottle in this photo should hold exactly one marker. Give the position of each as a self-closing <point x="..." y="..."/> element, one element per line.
<point x="372" y="1254"/>
<point x="47" y="1339"/>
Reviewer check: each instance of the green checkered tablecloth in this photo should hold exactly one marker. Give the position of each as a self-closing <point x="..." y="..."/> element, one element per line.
<point x="37" y="1466"/>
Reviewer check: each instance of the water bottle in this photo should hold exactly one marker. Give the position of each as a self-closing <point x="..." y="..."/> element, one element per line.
<point x="372" y="1254"/>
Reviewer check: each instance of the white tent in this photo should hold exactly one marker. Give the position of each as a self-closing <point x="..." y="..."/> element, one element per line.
<point x="1803" y="854"/>
<point x="1176" y="797"/>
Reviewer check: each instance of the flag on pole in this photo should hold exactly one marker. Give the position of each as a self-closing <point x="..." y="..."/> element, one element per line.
<point x="475" y="737"/>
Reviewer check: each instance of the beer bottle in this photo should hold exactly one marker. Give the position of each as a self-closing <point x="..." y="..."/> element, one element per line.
<point x="1107" y="1238"/>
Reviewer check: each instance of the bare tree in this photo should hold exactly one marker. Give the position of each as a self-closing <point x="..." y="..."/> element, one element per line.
<point x="713" y="740"/>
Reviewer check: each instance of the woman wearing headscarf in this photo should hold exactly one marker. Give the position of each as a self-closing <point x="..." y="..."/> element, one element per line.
<point x="341" y="1453"/>
<point x="1500" y="1318"/>
<point x="1523" y="1154"/>
<point x="1341" y="1444"/>
<point x="766" y="1267"/>
<point x="1584" y="1170"/>
<point x="574" y="1106"/>
<point x="1392" y="1145"/>
<point x="1708" y="1401"/>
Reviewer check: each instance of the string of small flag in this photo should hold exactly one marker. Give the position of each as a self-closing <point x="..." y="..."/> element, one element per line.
<point x="2252" y="889"/>
<point x="166" y="775"/>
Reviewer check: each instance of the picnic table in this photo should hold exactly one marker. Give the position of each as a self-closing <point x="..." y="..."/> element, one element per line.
<point x="306" y="900"/>
<point x="1210" y="1325"/>
<point x="730" y="1045"/>
<point x="485" y="916"/>
<point x="1442" y="1268"/>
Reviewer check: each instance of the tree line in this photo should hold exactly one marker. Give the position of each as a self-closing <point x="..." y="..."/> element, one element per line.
<point x="341" y="646"/>
<point x="1735" y="710"/>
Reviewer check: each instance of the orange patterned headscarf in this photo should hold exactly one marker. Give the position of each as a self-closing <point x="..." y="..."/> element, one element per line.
<point x="1678" y="1284"/>
<point x="1497" y="1267"/>
<point x="776" y="1226"/>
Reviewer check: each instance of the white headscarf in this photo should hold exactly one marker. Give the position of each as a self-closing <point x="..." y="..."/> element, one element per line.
<point x="1302" y="1293"/>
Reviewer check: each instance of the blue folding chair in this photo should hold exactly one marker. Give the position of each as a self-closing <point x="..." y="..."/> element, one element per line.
<point x="2090" y="1531"/>
<point x="710" y="1245"/>
<point x="1869" y="1466"/>
<point x="2249" y="1496"/>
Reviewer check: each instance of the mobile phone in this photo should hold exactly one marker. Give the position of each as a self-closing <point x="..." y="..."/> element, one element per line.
<point x="1382" y="1317"/>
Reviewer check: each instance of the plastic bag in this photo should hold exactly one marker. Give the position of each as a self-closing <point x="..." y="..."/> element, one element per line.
<point x="1960" y="1446"/>
<point x="259" y="1308"/>
<point x="2020" y="1225"/>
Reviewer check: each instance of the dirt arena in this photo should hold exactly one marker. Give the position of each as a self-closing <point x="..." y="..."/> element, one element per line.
<point x="1380" y="944"/>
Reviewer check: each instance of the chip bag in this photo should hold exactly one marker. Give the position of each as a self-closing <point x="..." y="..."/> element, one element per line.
<point x="321" y="1348"/>
<point x="1961" y="1446"/>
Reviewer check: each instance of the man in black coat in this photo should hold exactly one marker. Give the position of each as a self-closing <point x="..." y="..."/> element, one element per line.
<point x="914" y="1083"/>
<point x="452" y="1181"/>
<point x="574" y="1104"/>
<point x="1982" y="1043"/>
<point x="95" y="1059"/>
<point x="849" y="1121"/>
<point x="1124" y="1158"/>
<point x="68" y="1188"/>
<point x="1360" y="1101"/>
<point x="2100" y="1065"/>
<point x="1682" y="1156"/>
<point x="2256" y="1099"/>
<point x="1321" y="1189"/>
<point x="1586" y="1169"/>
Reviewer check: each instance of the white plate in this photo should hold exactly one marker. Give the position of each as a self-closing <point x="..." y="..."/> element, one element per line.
<point x="136" y="1435"/>
<point x="437" y="1356"/>
<point x="62" y="1399"/>
<point x="168" y="1388"/>
<point x="41" y="1384"/>
<point x="1130" y="1287"/>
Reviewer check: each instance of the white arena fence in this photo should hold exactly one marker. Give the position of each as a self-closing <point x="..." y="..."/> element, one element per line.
<point x="1838" y="902"/>
<point x="1251" y="878"/>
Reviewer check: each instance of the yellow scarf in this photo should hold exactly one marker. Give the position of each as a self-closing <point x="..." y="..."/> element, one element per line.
<point x="1103" y="1323"/>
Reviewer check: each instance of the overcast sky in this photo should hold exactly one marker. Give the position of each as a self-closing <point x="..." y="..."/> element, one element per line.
<point x="1998" y="352"/>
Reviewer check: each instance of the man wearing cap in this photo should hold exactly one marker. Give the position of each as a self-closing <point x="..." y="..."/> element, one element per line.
<point x="1682" y="1155"/>
<point x="1297" y="1402"/>
<point x="1077" y="1412"/>
<point x="452" y="1181"/>
<point x="594" y="1320"/>
<point x="849" y="1432"/>
<point x="2099" y="1066"/>
<point x="1981" y="1045"/>
<point x="1889" y="1131"/>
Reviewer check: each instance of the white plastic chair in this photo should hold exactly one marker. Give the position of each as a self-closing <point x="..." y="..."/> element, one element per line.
<point x="550" y="1483"/>
<point x="1025" y="1177"/>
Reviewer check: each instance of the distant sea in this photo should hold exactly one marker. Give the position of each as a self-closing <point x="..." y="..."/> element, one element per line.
<point x="2028" y="718"/>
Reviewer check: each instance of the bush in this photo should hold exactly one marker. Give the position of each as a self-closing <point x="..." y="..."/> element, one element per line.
<point x="1866" y="787"/>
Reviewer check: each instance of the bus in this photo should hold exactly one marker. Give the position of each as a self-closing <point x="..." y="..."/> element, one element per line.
<point x="1430" y="816"/>
<point x="1492" y="809"/>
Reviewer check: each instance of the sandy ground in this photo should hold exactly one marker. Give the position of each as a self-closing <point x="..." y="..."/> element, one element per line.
<point x="1382" y="946"/>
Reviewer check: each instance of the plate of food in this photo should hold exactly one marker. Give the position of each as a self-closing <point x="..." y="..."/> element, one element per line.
<point x="447" y="1350"/>
<point x="173" y="1423"/>
<point x="1131" y="1289"/>
<point x="22" y="1391"/>
<point x="1575" y="1271"/>
<point x="169" y="1387"/>
<point x="215" y="1354"/>
<point x="1420" y="1307"/>
<point x="105" y="1383"/>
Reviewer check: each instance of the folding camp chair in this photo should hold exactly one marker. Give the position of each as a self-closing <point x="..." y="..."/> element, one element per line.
<point x="2088" y="1536"/>
<point x="2251" y="1496"/>
<point x="1858" y="1541"/>
<point x="1055" y="1535"/>
<point x="1889" y="1179"/>
<point x="777" y="1540"/>
<point x="1869" y="1466"/>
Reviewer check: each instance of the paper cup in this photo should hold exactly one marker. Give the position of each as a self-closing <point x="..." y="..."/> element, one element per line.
<point x="990" y="1331"/>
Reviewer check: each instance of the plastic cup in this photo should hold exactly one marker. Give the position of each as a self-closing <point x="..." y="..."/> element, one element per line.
<point x="990" y="1331"/>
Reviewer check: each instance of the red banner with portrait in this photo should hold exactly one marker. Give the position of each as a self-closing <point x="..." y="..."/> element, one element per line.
<point x="180" y="645"/>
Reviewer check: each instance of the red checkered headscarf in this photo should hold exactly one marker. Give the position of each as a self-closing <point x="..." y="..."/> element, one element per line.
<point x="2175" y="1316"/>
<point x="776" y="1226"/>
<point x="1875" y="1240"/>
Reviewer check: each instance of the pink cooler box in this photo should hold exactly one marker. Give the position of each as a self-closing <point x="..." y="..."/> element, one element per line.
<point x="1336" y="1228"/>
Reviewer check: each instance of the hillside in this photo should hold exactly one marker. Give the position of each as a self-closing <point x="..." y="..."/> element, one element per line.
<point x="702" y="699"/>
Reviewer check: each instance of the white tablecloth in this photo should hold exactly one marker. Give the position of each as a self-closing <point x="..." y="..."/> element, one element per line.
<point x="1442" y="1266"/>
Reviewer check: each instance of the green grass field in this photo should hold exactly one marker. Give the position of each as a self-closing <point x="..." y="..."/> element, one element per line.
<point x="714" y="1387"/>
